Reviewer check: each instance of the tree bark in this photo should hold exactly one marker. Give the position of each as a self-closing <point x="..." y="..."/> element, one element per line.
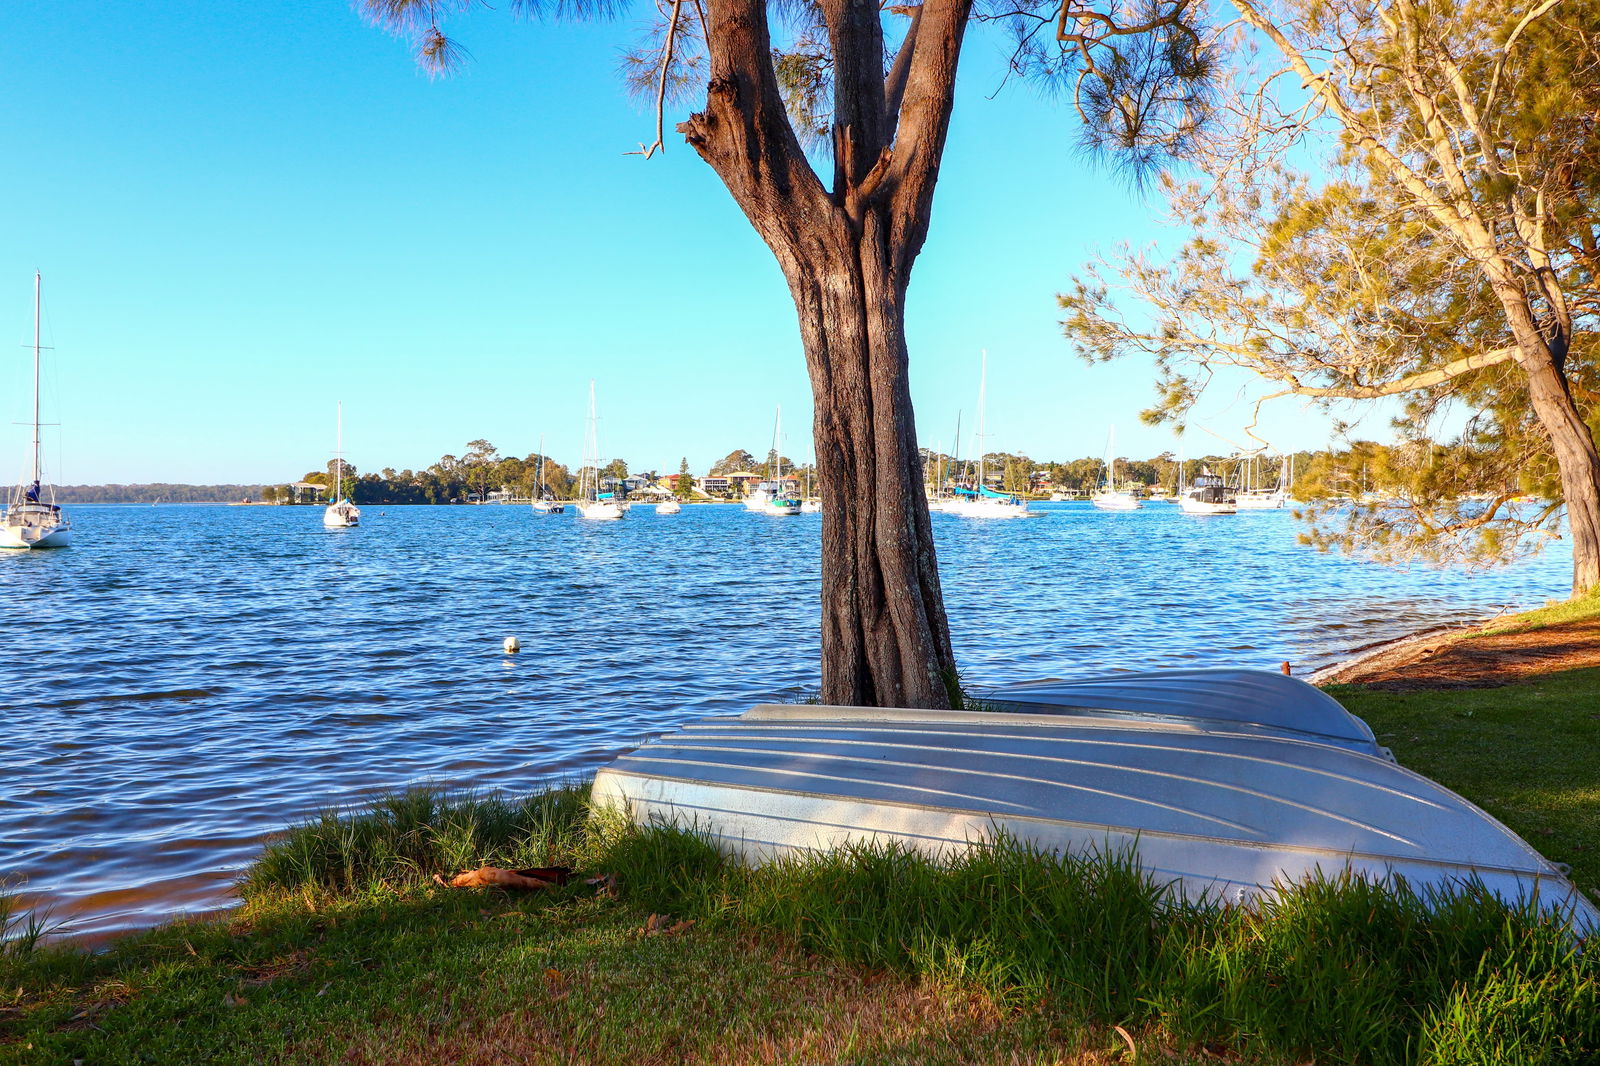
<point x="885" y="638"/>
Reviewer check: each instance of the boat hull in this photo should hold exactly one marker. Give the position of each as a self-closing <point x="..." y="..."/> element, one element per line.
<point x="29" y="525"/>
<point x="341" y="516"/>
<point x="986" y="509"/>
<point x="1216" y="811"/>
<point x="601" y="511"/>
<point x="1192" y="506"/>
<point x="670" y="507"/>
<point x="29" y="539"/>
<point x="1116" y="502"/>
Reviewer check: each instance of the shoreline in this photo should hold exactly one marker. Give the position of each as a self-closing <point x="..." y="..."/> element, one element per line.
<point x="1366" y="653"/>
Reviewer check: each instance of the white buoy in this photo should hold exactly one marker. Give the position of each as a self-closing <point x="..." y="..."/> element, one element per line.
<point x="513" y="645"/>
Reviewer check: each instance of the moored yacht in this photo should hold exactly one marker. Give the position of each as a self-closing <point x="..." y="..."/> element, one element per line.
<point x="31" y="521"/>
<point x="1209" y="494"/>
<point x="592" y="503"/>
<point x="341" y="513"/>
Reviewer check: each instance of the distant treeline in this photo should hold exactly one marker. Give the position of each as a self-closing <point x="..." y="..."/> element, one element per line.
<point x="158" y="493"/>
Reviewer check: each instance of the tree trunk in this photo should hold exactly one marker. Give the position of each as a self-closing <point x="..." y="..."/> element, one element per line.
<point x="885" y="638"/>
<point x="1576" y="459"/>
<point x="847" y="254"/>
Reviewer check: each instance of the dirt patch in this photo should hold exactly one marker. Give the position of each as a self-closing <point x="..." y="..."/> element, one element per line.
<point x="1473" y="659"/>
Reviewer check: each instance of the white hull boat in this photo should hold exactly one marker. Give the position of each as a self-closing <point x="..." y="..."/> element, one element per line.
<point x="782" y="507"/>
<point x="602" y="510"/>
<point x="986" y="507"/>
<point x="592" y="503"/>
<point x="341" y="513"/>
<point x="1260" y="501"/>
<point x="541" y="502"/>
<point x="1220" y="809"/>
<point x="35" y="525"/>
<point x="1208" y="495"/>
<point x="29" y="521"/>
<point x="1189" y="505"/>
<point x="1115" y="501"/>
<point x="669" y="507"/>
<point x="1107" y="497"/>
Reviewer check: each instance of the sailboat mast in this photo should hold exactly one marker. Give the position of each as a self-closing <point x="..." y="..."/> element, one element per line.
<point x="592" y="452"/>
<point x="983" y="383"/>
<point x="338" y="452"/>
<point x="36" y="283"/>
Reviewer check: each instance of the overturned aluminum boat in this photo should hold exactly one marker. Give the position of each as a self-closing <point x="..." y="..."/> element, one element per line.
<point x="1223" y="805"/>
<point x="1249" y="700"/>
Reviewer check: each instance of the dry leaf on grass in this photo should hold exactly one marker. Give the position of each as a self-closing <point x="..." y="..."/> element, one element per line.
<point x="540" y="877"/>
<point x="663" y="925"/>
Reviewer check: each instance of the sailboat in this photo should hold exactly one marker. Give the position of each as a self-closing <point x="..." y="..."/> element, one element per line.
<point x="1252" y="497"/>
<point x="542" y="504"/>
<point x="1108" y="498"/>
<point x="978" y="500"/>
<point x="30" y="522"/>
<point x="592" y="503"/>
<point x="770" y="496"/>
<point x="810" y="504"/>
<point x="341" y="513"/>
<point x="941" y="499"/>
<point x="670" y="505"/>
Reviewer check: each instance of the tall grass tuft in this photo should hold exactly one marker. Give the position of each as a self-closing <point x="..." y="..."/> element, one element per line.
<point x="403" y="839"/>
<point x="21" y="929"/>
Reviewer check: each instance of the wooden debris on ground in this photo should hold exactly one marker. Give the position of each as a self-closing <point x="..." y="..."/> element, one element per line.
<point x="535" y="878"/>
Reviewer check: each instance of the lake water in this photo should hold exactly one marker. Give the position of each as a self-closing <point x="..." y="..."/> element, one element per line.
<point x="185" y="680"/>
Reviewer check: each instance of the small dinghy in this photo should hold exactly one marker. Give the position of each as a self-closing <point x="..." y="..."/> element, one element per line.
<point x="1250" y="699"/>
<point x="1223" y="797"/>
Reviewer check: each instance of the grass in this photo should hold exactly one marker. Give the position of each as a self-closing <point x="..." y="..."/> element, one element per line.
<point x="345" y="950"/>
<point x="1556" y="612"/>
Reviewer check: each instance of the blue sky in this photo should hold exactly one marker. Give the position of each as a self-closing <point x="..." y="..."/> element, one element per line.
<point x="247" y="212"/>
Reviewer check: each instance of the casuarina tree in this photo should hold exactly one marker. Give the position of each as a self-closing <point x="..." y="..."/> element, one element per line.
<point x="826" y="121"/>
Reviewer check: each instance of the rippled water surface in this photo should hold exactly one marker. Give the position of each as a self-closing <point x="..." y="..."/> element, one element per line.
<point x="185" y="680"/>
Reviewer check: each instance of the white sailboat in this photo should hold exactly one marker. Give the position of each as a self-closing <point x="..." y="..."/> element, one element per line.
<point x="1107" y="498"/>
<point x="1252" y="497"/>
<point x="810" y="504"/>
<point x="978" y="500"/>
<point x="592" y="503"/>
<point x="542" y="504"/>
<point x="670" y="505"/>
<point x="341" y="513"/>
<point x="30" y="521"/>
<point x="770" y="497"/>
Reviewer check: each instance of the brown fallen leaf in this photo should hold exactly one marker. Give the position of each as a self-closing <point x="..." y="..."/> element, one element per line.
<point x="493" y="875"/>
<point x="556" y="875"/>
<point x="663" y="925"/>
<point x="604" y="885"/>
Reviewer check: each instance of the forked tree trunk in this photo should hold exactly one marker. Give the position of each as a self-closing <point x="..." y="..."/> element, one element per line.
<point x="847" y="254"/>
